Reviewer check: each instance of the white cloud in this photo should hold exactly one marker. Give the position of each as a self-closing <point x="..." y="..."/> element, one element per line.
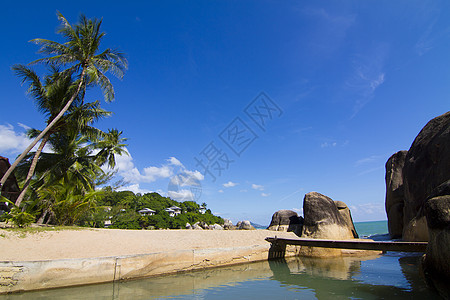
<point x="153" y="173"/>
<point x="181" y="195"/>
<point x="173" y="161"/>
<point x="124" y="162"/>
<point x="257" y="187"/>
<point x="135" y="188"/>
<point x="194" y="174"/>
<point x="328" y="144"/>
<point x="12" y="142"/>
<point x="230" y="184"/>
<point x="220" y="191"/>
<point x="265" y="195"/>
<point x="131" y="174"/>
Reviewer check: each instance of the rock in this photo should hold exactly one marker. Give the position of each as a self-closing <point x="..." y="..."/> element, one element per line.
<point x="436" y="262"/>
<point x="216" y="227"/>
<point x="188" y="226"/>
<point x="426" y="168"/>
<point x="197" y="226"/>
<point x="395" y="196"/>
<point x="345" y="213"/>
<point x="227" y="224"/>
<point x="245" y="225"/>
<point x="238" y="225"/>
<point x="203" y="225"/>
<point x="286" y="220"/>
<point x="322" y="220"/>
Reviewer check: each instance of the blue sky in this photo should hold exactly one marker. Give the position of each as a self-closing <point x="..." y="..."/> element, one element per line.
<point x="345" y="85"/>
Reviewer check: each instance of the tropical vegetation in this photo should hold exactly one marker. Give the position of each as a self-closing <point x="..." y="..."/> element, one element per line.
<point x="64" y="182"/>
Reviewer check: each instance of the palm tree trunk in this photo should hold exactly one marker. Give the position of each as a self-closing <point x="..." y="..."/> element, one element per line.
<point x="32" y="168"/>
<point x="42" y="218"/>
<point x="49" y="126"/>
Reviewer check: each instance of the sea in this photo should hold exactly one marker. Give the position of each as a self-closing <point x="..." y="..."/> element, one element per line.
<point x="392" y="275"/>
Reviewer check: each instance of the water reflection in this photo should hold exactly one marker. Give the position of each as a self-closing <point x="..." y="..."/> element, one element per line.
<point x="387" y="276"/>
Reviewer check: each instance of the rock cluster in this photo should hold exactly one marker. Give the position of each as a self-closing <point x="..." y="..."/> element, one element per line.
<point x="228" y="225"/>
<point x="286" y="220"/>
<point x="418" y="198"/>
<point x="323" y="219"/>
<point x="415" y="176"/>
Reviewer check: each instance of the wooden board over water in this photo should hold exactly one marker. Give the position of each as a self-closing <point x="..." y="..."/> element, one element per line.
<point x="356" y="244"/>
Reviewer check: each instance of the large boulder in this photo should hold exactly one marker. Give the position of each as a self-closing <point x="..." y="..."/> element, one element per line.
<point x="345" y="213"/>
<point x="322" y="219"/>
<point x="426" y="168"/>
<point x="436" y="262"/>
<point x="245" y="225"/>
<point x="286" y="220"/>
<point x="395" y="196"/>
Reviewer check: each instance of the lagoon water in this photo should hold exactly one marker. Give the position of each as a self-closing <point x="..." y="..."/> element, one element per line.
<point x="391" y="275"/>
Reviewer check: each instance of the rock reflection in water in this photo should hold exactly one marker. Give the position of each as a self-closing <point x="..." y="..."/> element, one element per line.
<point x="341" y="278"/>
<point x="299" y="277"/>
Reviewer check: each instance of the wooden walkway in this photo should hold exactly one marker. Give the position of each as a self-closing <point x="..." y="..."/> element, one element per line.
<point x="356" y="244"/>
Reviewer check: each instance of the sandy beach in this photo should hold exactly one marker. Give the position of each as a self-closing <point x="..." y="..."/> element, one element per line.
<point x="90" y="243"/>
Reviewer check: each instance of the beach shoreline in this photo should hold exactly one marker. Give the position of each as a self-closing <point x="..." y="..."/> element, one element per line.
<point x="93" y="243"/>
<point x="62" y="258"/>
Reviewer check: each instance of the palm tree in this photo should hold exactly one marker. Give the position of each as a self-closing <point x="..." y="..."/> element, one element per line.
<point x="111" y="145"/>
<point x="70" y="144"/>
<point x="50" y="97"/>
<point x="80" y="53"/>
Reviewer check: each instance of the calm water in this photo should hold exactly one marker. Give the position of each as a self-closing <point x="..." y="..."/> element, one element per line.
<point x="392" y="275"/>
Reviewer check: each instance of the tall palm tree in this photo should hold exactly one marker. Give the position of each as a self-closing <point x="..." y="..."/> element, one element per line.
<point x="50" y="97"/>
<point x="80" y="53"/>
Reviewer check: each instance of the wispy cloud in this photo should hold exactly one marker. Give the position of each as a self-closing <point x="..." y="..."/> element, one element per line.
<point x="368" y="208"/>
<point x="370" y="170"/>
<point x="431" y="36"/>
<point x="328" y="144"/>
<point x="265" y="194"/>
<point x="330" y="29"/>
<point x="220" y="191"/>
<point x="368" y="160"/>
<point x="230" y="184"/>
<point x="367" y="76"/>
<point x="299" y="211"/>
<point x="257" y="187"/>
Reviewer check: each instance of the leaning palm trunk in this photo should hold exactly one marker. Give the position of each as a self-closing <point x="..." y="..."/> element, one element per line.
<point x="44" y="132"/>
<point x="32" y="168"/>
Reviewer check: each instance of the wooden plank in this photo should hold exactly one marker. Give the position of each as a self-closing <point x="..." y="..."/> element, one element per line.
<point x="357" y="244"/>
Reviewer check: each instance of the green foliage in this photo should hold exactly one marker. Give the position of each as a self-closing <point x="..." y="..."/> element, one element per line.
<point x="131" y="203"/>
<point x="126" y="220"/>
<point x="19" y="218"/>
